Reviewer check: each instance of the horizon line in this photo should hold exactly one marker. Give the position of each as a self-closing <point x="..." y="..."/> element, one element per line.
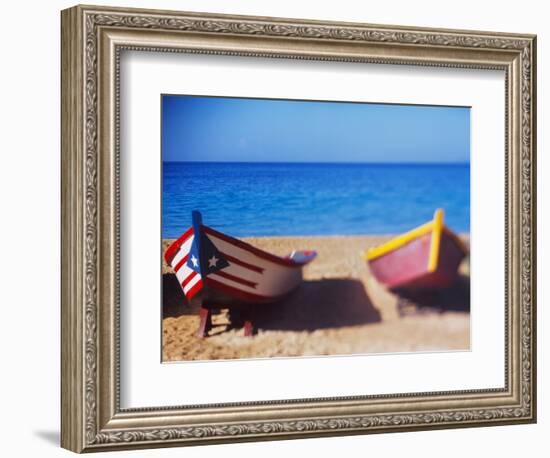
<point x="324" y="162"/>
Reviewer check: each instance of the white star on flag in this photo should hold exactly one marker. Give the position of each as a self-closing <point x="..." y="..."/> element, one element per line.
<point x="195" y="261"/>
<point x="213" y="261"/>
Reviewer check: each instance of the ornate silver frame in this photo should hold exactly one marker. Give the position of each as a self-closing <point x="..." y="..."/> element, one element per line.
<point x="92" y="39"/>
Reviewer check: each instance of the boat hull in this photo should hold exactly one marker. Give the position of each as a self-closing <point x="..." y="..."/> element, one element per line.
<point x="408" y="266"/>
<point x="217" y="271"/>
<point x="251" y="276"/>
<point x="217" y="296"/>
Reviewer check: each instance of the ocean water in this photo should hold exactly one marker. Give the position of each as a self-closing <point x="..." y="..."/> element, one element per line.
<point x="266" y="199"/>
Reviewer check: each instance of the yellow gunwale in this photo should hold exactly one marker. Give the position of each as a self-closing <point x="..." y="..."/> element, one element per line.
<point x="435" y="243"/>
<point x="436" y="225"/>
<point x="397" y="242"/>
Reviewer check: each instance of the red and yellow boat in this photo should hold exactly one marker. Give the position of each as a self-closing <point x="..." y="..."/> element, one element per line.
<point x="426" y="257"/>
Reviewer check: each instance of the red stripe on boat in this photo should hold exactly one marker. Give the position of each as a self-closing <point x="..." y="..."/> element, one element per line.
<point x="174" y="248"/>
<point x="239" y="293"/>
<point x="180" y="264"/>
<point x="194" y="290"/>
<point x="188" y="279"/>
<point x="246" y="265"/>
<point x="240" y="280"/>
<point x="256" y="251"/>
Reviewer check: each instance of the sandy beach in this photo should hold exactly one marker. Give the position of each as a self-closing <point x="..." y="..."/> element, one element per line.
<point x="339" y="309"/>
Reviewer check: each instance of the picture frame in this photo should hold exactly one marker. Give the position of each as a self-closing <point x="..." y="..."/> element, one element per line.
<point x="93" y="39"/>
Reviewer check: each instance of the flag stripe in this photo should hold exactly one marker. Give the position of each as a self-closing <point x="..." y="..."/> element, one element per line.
<point x="183" y="250"/>
<point x="194" y="290"/>
<point x="239" y="293"/>
<point x="244" y="255"/>
<point x="287" y="262"/>
<point x="234" y="278"/>
<point x="278" y="286"/>
<point x="173" y="249"/>
<point x="183" y="272"/>
<point x="246" y="265"/>
<point x="190" y="277"/>
<point x="181" y="262"/>
<point x="240" y="286"/>
<point x="191" y="283"/>
<point x="250" y="275"/>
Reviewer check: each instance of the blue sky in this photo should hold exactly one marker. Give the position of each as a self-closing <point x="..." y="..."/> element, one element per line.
<point x="225" y="129"/>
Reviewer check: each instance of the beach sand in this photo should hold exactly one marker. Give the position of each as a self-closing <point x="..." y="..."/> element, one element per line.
<point x="339" y="309"/>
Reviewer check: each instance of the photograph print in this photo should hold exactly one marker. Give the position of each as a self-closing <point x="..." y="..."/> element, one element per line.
<point x="300" y="228"/>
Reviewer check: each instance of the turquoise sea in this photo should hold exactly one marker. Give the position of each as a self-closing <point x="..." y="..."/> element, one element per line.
<point x="267" y="199"/>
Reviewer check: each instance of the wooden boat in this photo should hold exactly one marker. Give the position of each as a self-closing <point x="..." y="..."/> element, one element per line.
<point x="426" y="257"/>
<point x="218" y="271"/>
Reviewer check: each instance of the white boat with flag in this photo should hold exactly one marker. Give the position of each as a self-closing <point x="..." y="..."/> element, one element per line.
<point x="218" y="271"/>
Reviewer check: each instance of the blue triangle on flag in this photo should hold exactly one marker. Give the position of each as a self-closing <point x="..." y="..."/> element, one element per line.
<point x="204" y="257"/>
<point x="211" y="260"/>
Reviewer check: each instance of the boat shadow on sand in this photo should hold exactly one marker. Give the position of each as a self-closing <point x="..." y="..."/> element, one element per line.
<point x="316" y="304"/>
<point x="455" y="298"/>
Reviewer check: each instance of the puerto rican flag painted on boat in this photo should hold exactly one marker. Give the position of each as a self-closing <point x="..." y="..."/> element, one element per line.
<point x="203" y="256"/>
